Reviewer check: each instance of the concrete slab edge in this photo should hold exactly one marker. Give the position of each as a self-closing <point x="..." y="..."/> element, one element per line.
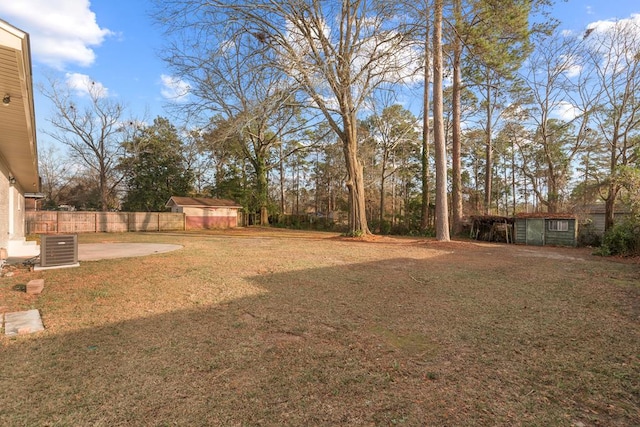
<point x="54" y="267"/>
<point x="22" y="322"/>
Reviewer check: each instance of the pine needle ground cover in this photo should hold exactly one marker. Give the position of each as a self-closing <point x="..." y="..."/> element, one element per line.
<point x="259" y="327"/>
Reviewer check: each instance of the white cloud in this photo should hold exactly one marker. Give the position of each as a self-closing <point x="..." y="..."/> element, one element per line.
<point x="616" y="41"/>
<point x="174" y="89"/>
<point x="399" y="61"/>
<point x="573" y="71"/>
<point x="569" y="66"/>
<point x="82" y="85"/>
<point x="566" y="111"/>
<point x="62" y="32"/>
<point x="609" y="24"/>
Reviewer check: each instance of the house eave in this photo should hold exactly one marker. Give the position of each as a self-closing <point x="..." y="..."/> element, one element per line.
<point x="18" y="146"/>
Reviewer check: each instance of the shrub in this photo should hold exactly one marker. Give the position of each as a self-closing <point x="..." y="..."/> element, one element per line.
<point x="588" y="236"/>
<point x="355" y="233"/>
<point x="622" y="239"/>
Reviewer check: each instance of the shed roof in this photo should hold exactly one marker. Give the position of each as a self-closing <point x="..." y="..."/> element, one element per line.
<point x="546" y="215"/>
<point x="491" y="219"/>
<point x="201" y="202"/>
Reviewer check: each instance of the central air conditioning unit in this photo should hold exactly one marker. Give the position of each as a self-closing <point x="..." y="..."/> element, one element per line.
<point x="58" y="250"/>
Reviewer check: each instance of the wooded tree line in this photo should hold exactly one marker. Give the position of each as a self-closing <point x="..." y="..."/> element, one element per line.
<point x="402" y="115"/>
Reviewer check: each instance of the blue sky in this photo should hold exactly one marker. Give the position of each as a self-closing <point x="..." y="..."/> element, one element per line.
<point x="116" y="44"/>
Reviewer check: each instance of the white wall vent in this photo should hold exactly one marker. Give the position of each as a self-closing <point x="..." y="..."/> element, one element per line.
<point x="58" y="249"/>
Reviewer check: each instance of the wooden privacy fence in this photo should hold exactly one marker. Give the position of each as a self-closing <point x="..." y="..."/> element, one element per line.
<point x="43" y="222"/>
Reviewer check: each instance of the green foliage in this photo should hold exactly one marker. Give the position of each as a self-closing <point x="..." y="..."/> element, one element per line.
<point x="231" y="184"/>
<point x="629" y="178"/>
<point x="84" y="195"/>
<point x="155" y="168"/>
<point x="429" y="232"/>
<point x="588" y="236"/>
<point x="302" y="222"/>
<point x="623" y="239"/>
<point x="353" y="233"/>
<point x="490" y="24"/>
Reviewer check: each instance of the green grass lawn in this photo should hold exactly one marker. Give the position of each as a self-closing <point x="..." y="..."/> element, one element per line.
<point x="263" y="327"/>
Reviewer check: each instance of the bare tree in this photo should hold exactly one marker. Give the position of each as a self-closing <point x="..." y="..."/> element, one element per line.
<point x="338" y="53"/>
<point x="56" y="175"/>
<point x="615" y="56"/>
<point x="90" y="125"/>
<point x="551" y="86"/>
<point x="253" y="103"/>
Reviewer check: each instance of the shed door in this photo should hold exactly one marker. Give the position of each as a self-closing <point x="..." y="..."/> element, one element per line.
<point x="535" y="231"/>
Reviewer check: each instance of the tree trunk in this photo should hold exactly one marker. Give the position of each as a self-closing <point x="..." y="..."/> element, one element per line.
<point x="262" y="190"/>
<point x="317" y="185"/>
<point x="425" y="217"/>
<point x="355" y="178"/>
<point x="282" y="195"/>
<point x="393" y="196"/>
<point x="553" y="197"/>
<point x="382" y="189"/>
<point x="612" y="193"/>
<point x="442" y="218"/>
<point x="609" y="206"/>
<point x="488" y="166"/>
<point x="296" y="187"/>
<point x="513" y="179"/>
<point x="104" y="191"/>
<point x="456" y="167"/>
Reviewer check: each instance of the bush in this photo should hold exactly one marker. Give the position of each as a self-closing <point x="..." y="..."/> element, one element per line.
<point x="623" y="239"/>
<point x="355" y="233"/>
<point x="429" y="232"/>
<point x="400" y="230"/>
<point x="588" y="236"/>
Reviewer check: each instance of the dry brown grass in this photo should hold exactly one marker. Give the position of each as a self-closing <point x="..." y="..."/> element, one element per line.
<point x="271" y="327"/>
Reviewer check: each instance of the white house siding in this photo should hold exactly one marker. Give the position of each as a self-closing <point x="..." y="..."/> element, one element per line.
<point x="12" y="208"/>
<point x="18" y="214"/>
<point x="4" y="205"/>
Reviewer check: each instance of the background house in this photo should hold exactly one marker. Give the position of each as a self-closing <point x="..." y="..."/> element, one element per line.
<point x="205" y="213"/>
<point x="546" y="229"/>
<point x="18" y="149"/>
<point x="594" y="215"/>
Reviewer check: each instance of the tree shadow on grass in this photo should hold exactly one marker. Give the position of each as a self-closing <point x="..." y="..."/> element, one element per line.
<point x="381" y="343"/>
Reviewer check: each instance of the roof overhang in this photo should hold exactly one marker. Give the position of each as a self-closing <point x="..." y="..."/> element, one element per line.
<point x="18" y="146"/>
<point x="197" y="202"/>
